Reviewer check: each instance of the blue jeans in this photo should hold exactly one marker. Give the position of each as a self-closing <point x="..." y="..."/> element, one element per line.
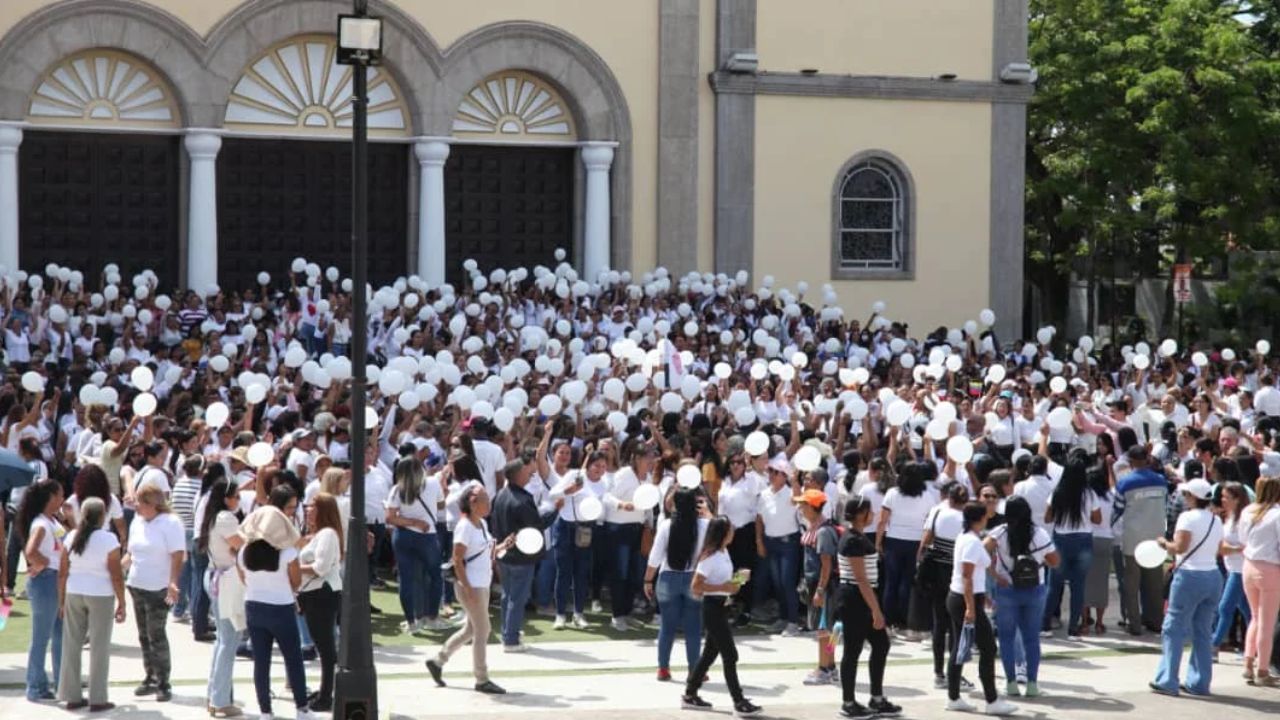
<point x="517" y="583"/>
<point x="1193" y="602"/>
<point x="1076" y="550"/>
<point x="1018" y="616"/>
<point x="418" y="557"/>
<point x="46" y="627"/>
<point x="223" y="665"/>
<point x="199" y="597"/>
<point x="782" y="558"/>
<point x="445" y="538"/>
<point x="278" y="624"/>
<point x="545" y="585"/>
<point x="1233" y="600"/>
<point x="899" y="574"/>
<point x="572" y="566"/>
<point x="184" y="579"/>
<point x="624" y="551"/>
<point x="680" y="610"/>
<point x="1117" y="567"/>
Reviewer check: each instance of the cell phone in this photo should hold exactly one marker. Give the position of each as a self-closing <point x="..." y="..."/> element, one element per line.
<point x="578" y="481"/>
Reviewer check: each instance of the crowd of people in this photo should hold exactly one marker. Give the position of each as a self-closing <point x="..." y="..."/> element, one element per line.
<point x="691" y="452"/>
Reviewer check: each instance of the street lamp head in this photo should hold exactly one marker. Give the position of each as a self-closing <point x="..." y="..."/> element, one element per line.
<point x="359" y="40"/>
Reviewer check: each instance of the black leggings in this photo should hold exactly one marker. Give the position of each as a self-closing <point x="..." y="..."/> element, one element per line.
<point x="719" y="641"/>
<point x="856" y="617"/>
<point x="320" y="608"/>
<point x="984" y="641"/>
<point x="743" y="553"/>
<point x="941" y="626"/>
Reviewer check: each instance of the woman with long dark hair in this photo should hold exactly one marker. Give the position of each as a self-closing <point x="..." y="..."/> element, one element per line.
<point x="714" y="582"/>
<point x="1021" y="550"/>
<point x="669" y="578"/>
<point x="967" y="607"/>
<point x="1232" y="504"/>
<point x="219" y="540"/>
<point x="898" y="537"/>
<point x="320" y="594"/>
<point x="91" y="482"/>
<point x="858" y="607"/>
<point x="943" y="524"/>
<point x="89" y="580"/>
<point x="1073" y="510"/>
<point x="1097" y="584"/>
<point x="271" y="577"/>
<point x="739" y="497"/>
<point x="39" y="522"/>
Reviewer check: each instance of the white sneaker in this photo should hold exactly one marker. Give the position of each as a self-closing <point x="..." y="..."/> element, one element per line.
<point x="1001" y="707"/>
<point x="620" y="624"/>
<point x="818" y="676"/>
<point x="960" y="705"/>
<point x="518" y="648"/>
<point x="790" y="630"/>
<point x="306" y="714"/>
<point x="580" y="622"/>
<point x="596" y="607"/>
<point x="559" y="624"/>
<point x="265" y="716"/>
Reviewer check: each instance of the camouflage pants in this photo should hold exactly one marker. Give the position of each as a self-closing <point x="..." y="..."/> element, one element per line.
<point x="151" y="613"/>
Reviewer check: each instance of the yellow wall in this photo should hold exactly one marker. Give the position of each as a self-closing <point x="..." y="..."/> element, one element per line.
<point x="706" y="137"/>
<point x="920" y="38"/>
<point x="801" y="144"/>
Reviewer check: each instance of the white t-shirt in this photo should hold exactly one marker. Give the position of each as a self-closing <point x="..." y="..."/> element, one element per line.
<point x="1198" y="522"/>
<point x="270" y="587"/>
<point x="476" y="544"/>
<point x="425" y="507"/>
<point x="716" y="569"/>
<point x="969" y="549"/>
<point x="149" y="476"/>
<point x="1084" y="525"/>
<point x="1041" y="546"/>
<point x="658" y="552"/>
<point x="490" y="459"/>
<point x="114" y="512"/>
<point x="324" y="554"/>
<point x="50" y="542"/>
<point x="1231" y="536"/>
<point x="151" y="545"/>
<point x="87" y="572"/>
<point x="1106" y="505"/>
<point x="946" y="522"/>
<point x="780" y="515"/>
<point x="1262" y="538"/>
<point x="906" y="514"/>
<point x="1037" y="489"/>
<point x="871" y="492"/>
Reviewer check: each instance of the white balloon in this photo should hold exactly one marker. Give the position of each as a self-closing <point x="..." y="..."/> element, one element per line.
<point x="529" y="541"/>
<point x="33" y="381"/>
<point x="590" y="509"/>
<point x="255" y="394"/>
<point x="503" y="419"/>
<point x="857" y="408"/>
<point x="614" y="390"/>
<point x="1058" y="385"/>
<point x="637" y="382"/>
<point x="1263" y="347"/>
<point x="960" y="449"/>
<point x="688" y="477"/>
<point x="295" y="356"/>
<point x="938" y="429"/>
<point x="108" y="396"/>
<point x="757" y="443"/>
<point x="987" y="317"/>
<point x="646" y="497"/>
<point x="370" y="418"/>
<point x="617" y="421"/>
<point x="89" y="395"/>
<point x="1059" y="418"/>
<point x="671" y="402"/>
<point x="392" y="382"/>
<point x="215" y="416"/>
<point x="1141" y="362"/>
<point x="945" y="411"/>
<point x="219" y="363"/>
<point x="550" y="405"/>
<point x="574" y="392"/>
<point x="807" y="459"/>
<point x="954" y="363"/>
<point x="261" y="454"/>
<point x="897" y="413"/>
<point x="995" y="374"/>
<point x="744" y="416"/>
<point x="1044" y="336"/>
<point x="464" y="397"/>
<point x="1149" y="554"/>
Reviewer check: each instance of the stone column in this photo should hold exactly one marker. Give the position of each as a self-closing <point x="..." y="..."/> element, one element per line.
<point x="431" y="155"/>
<point x="202" y="212"/>
<point x="598" y="158"/>
<point x="10" y="139"/>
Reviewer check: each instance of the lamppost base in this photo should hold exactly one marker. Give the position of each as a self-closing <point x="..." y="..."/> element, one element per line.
<point x="356" y="693"/>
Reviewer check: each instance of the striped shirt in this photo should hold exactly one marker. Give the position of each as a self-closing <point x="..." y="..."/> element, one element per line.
<point x="183" y="500"/>
<point x="856" y="545"/>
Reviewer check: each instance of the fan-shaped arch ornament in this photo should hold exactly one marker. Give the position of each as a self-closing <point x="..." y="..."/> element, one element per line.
<point x="103" y="87"/>
<point x="298" y="85"/>
<point x="514" y="106"/>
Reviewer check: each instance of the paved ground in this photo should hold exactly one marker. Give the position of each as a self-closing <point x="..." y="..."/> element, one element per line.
<point x="1103" y="676"/>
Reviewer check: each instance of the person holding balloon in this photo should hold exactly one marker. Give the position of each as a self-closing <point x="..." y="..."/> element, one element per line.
<point x="579" y="496"/>
<point x="515" y="514"/>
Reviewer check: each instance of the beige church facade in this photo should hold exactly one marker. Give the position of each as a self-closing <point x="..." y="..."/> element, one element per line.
<point x="877" y="145"/>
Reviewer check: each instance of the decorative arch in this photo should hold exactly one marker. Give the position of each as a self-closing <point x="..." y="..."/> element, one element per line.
<point x="103" y="87"/>
<point x="61" y="31"/>
<point x="873" y="219"/>
<point x="514" y="106"/>
<point x="298" y="85"/>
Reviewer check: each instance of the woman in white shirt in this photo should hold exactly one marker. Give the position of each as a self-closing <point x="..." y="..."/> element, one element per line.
<point x="967" y="606"/>
<point x="1193" y="595"/>
<point x="622" y="525"/>
<point x="321" y="592"/>
<point x="1233" y="501"/>
<point x="1072" y="512"/>
<point x="573" y="535"/>
<point x="157" y="548"/>
<point x="38" y="520"/>
<point x="1097" y="584"/>
<point x="413" y="508"/>
<point x="1260" y="530"/>
<point x="715" y="583"/>
<point x="942" y="526"/>
<point x="472" y="553"/>
<point x="220" y="539"/>
<point x="89" y="580"/>
<point x="739" y="497"/>
<point x="898" y="537"/>
<point x="669" y="578"/>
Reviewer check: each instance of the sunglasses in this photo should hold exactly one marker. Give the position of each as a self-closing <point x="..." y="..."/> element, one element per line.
<point x="737" y="461"/>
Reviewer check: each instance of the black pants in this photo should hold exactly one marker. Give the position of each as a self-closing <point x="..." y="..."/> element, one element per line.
<point x="856" y="617"/>
<point x="719" y="642"/>
<point x="941" y="622"/>
<point x="320" y="608"/>
<point x="743" y="553"/>
<point x="983" y="639"/>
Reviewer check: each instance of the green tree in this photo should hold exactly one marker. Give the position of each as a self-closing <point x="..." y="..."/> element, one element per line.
<point x="1151" y="137"/>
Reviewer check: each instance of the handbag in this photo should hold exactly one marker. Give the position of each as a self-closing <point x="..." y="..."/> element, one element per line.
<point x="449" y="574"/>
<point x="582" y="532"/>
<point x="1168" y="577"/>
<point x="929" y="570"/>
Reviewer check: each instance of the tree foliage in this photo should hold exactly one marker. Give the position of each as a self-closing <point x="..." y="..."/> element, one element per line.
<point x="1153" y="131"/>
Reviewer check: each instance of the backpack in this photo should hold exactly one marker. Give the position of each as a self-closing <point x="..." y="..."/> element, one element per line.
<point x="1025" y="573"/>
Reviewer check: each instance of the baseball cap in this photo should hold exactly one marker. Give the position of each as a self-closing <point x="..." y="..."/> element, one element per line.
<point x="1198" y="488"/>
<point x="812" y="498"/>
<point x="780" y="463"/>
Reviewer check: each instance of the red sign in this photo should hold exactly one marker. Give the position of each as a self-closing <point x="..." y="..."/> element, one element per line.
<point x="1182" y="283"/>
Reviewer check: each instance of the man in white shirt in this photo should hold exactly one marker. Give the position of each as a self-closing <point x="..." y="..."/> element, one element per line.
<point x="490" y="457"/>
<point x="1037" y="489"/>
<point x="302" y="458"/>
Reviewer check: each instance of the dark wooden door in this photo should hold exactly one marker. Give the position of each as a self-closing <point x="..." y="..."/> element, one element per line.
<point x="507" y="207"/>
<point x="89" y="199"/>
<point x="280" y="199"/>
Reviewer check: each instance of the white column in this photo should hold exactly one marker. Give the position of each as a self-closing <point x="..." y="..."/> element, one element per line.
<point x="431" y="156"/>
<point x="202" y="210"/>
<point x="10" y="139"/>
<point x="595" y="254"/>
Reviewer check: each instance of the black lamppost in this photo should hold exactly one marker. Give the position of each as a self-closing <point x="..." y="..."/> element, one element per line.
<point x="356" y="682"/>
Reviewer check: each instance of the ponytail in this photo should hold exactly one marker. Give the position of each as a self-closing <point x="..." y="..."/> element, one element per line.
<point x="91" y="514"/>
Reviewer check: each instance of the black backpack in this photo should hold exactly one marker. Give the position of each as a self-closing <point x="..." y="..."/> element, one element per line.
<point x="1025" y="573"/>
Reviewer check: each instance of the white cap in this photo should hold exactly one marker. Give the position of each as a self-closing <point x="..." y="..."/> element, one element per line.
<point x="1198" y="488"/>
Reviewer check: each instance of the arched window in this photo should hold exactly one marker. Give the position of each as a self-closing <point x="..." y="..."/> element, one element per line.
<point x="873" y="219"/>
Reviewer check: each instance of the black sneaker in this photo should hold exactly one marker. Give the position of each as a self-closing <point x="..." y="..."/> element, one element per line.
<point x="163" y="694"/>
<point x="746" y="708"/>
<point x="693" y="702"/>
<point x="743" y="620"/>
<point x="488" y="687"/>
<point x="437" y="672"/>
<point x="855" y="709"/>
<point x="884" y="708"/>
<point x="148" y="687"/>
